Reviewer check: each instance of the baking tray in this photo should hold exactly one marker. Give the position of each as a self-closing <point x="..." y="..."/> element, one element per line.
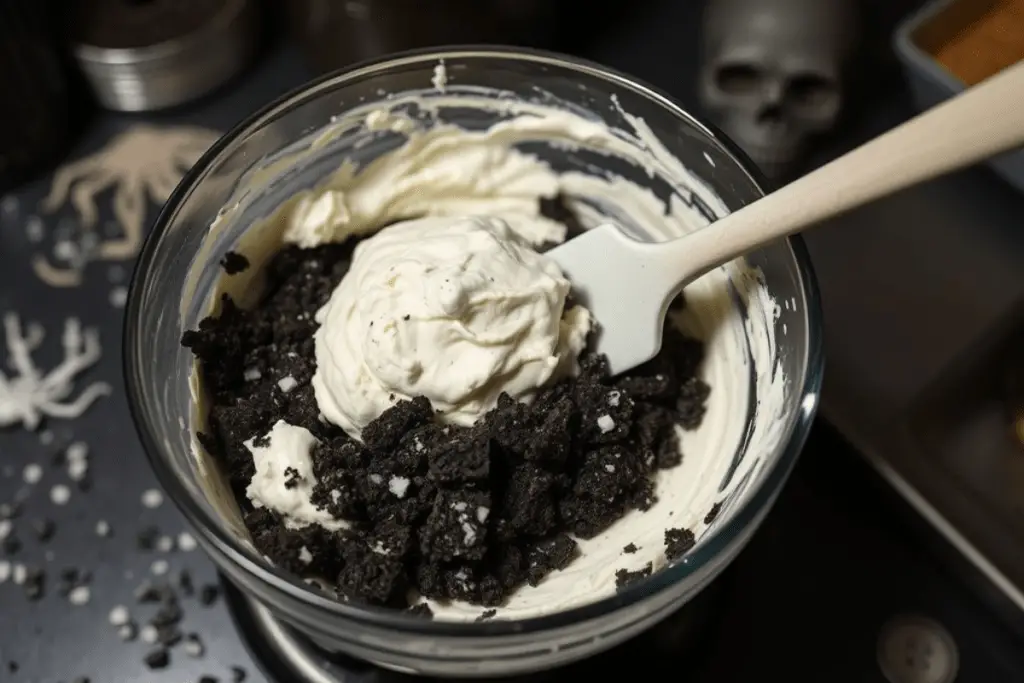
<point x="930" y="83"/>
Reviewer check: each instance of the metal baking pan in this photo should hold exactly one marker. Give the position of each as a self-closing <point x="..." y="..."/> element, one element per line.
<point x="930" y="83"/>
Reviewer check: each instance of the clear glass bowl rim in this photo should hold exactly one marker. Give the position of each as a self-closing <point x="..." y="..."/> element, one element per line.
<point x="711" y="546"/>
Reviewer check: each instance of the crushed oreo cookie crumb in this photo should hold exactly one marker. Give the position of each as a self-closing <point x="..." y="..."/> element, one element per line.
<point x="35" y="583"/>
<point x="234" y="263"/>
<point x="44" y="529"/>
<point x="440" y="511"/>
<point x="208" y="679"/>
<point x="421" y="609"/>
<point x="630" y="549"/>
<point x="238" y="674"/>
<point x="487" y="614"/>
<point x="185" y="584"/>
<point x="678" y="542"/>
<point x="713" y="513"/>
<point x="147" y="538"/>
<point x="208" y="595"/>
<point x="11" y="545"/>
<point x="624" y="577"/>
<point x="158" y="658"/>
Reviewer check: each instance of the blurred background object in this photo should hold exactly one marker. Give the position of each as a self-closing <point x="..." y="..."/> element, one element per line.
<point x="950" y="45"/>
<point x="142" y="55"/>
<point x="773" y="73"/>
<point x="336" y="33"/>
<point x="40" y="106"/>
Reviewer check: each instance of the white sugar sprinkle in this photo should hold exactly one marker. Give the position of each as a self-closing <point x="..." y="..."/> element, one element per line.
<point x="126" y="632"/>
<point x="398" y="486"/>
<point x="186" y="543"/>
<point x="119" y="616"/>
<point x="606" y="423"/>
<point x="102" y="528"/>
<point x="19" y="574"/>
<point x="77" y="450"/>
<point x="152" y="498"/>
<point x="149" y="634"/>
<point x="32" y="473"/>
<point x="305" y="557"/>
<point x="165" y="544"/>
<point x="77" y="469"/>
<point x="160" y="567"/>
<point x="79" y="595"/>
<point x="118" y="297"/>
<point x="60" y="494"/>
<point x="251" y="374"/>
<point x="5" y="571"/>
<point x="193" y="648"/>
<point x="286" y="384"/>
<point x="5" y="528"/>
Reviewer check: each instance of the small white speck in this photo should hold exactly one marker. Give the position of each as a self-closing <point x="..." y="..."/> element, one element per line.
<point x="102" y="528"/>
<point x="784" y="328"/>
<point x="186" y="543"/>
<point x="149" y="634"/>
<point x="613" y="398"/>
<point x="77" y="450"/>
<point x="181" y="423"/>
<point x="398" y="486"/>
<point x="609" y="468"/>
<point x="65" y="250"/>
<point x="305" y="557"/>
<point x="32" y="473"/>
<point x="160" y="567"/>
<point x="77" y="469"/>
<point x="193" y="648"/>
<point x="119" y="616"/>
<point x="126" y="632"/>
<point x="482" y="514"/>
<point x="46" y="437"/>
<point x="152" y="498"/>
<point x="9" y="204"/>
<point x="118" y="297"/>
<point x="251" y="374"/>
<point x="376" y="479"/>
<point x="606" y="423"/>
<point x="19" y="574"/>
<point x="34" y="229"/>
<point x="165" y="544"/>
<point x="60" y="494"/>
<point x="79" y="595"/>
<point x="286" y="384"/>
<point x="5" y="528"/>
<point x="707" y="158"/>
<point x="5" y="571"/>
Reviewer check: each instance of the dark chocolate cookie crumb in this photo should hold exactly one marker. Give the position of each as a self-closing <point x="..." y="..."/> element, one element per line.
<point x="442" y="512"/>
<point x="234" y="263"/>
<point x="421" y="609"/>
<point x="158" y="658"/>
<point x="208" y="679"/>
<point x="678" y="542"/>
<point x="713" y="513"/>
<point x="44" y="529"/>
<point x="630" y="549"/>
<point x="208" y="595"/>
<point x="238" y="674"/>
<point x="624" y="577"/>
<point x="487" y="614"/>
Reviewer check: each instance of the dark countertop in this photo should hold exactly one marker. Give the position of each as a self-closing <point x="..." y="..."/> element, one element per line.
<point x="833" y="560"/>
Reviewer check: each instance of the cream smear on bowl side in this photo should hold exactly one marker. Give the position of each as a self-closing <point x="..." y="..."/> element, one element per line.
<point x="445" y="170"/>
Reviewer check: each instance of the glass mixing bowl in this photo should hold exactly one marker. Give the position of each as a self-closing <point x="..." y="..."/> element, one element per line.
<point x="255" y="167"/>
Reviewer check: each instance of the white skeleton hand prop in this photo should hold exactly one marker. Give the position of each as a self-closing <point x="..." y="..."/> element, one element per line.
<point x="28" y="395"/>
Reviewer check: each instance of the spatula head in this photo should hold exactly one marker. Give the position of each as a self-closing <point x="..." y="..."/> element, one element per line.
<point x="616" y="277"/>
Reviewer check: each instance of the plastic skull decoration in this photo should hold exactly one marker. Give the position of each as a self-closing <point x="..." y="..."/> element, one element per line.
<point x="771" y="75"/>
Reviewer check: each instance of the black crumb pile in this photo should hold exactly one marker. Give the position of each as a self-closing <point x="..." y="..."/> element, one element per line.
<point x="443" y="512"/>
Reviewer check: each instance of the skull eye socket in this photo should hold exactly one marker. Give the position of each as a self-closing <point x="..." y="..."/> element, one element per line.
<point x="809" y="90"/>
<point x="737" y="79"/>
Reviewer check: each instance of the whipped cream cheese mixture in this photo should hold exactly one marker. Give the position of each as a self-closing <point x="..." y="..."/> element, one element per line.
<point x="440" y="171"/>
<point x="457" y="310"/>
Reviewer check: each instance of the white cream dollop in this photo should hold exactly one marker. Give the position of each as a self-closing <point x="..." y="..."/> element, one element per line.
<point x="283" y="456"/>
<point x="457" y="310"/>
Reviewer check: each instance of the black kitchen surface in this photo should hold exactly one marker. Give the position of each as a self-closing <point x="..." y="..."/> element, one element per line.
<point x="810" y="600"/>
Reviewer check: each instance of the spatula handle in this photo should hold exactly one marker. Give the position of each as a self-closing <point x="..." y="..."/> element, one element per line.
<point x="981" y="122"/>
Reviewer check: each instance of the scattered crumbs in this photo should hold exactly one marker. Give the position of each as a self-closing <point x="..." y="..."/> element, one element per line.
<point x="149" y="634"/>
<point x="19" y="574"/>
<point x="118" y="296"/>
<point x="194" y="646"/>
<point x="160" y="567"/>
<point x="185" y="584"/>
<point x="234" y="263"/>
<point x="60" y="494"/>
<point x="79" y="595"/>
<point x="152" y="498"/>
<point x="119" y="616"/>
<point x="208" y="594"/>
<point x="165" y="544"/>
<point x="678" y="542"/>
<point x="630" y="549"/>
<point x="487" y="614"/>
<point x="158" y="658"/>
<point x="44" y="529"/>
<point x="713" y="513"/>
<point x="208" y="679"/>
<point x="238" y="674"/>
<point x="103" y="528"/>
<point x="77" y="457"/>
<point x="5" y="528"/>
<point x="624" y="577"/>
<point x="32" y="474"/>
<point x="286" y="384"/>
<point x="186" y="542"/>
<point x="5" y="571"/>
<point x="128" y="632"/>
<point x="605" y="423"/>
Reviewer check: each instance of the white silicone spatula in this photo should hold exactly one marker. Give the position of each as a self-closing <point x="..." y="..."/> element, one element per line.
<point x="628" y="285"/>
